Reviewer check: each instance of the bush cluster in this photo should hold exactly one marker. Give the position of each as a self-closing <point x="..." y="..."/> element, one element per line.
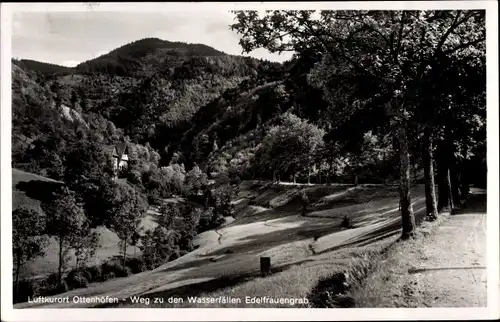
<point x="76" y="278"/>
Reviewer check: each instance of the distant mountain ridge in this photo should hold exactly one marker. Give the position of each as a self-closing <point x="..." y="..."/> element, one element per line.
<point x="46" y="69"/>
<point x="133" y="59"/>
<point x="139" y="48"/>
<point x="143" y="57"/>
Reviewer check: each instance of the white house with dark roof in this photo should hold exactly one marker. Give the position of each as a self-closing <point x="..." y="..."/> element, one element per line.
<point x="119" y="153"/>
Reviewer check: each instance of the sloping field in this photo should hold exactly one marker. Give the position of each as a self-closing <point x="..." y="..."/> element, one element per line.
<point x="23" y="176"/>
<point x="20" y="196"/>
<point x="228" y="258"/>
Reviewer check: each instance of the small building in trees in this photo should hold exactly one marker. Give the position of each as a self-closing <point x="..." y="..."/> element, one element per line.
<point x="119" y="154"/>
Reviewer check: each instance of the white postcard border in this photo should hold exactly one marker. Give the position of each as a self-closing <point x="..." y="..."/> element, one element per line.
<point x="227" y="314"/>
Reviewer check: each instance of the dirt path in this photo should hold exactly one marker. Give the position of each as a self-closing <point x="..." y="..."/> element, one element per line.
<point x="445" y="269"/>
<point x="219" y="239"/>
<point x="452" y="269"/>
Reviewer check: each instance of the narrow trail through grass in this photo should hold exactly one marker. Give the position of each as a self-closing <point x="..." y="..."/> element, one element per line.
<point x="219" y="239"/>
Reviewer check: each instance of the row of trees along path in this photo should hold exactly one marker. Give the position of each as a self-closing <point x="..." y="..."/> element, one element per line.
<point x="413" y="63"/>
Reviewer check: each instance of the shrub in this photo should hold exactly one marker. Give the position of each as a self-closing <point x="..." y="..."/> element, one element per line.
<point x="150" y="264"/>
<point x="234" y="177"/>
<point x="205" y="223"/>
<point x="134" y="177"/>
<point x="169" y="213"/>
<point x="110" y="270"/>
<point x="158" y="246"/>
<point x="86" y="273"/>
<point x="114" y="269"/>
<point x="108" y="276"/>
<point x="346" y="223"/>
<point x="328" y="289"/>
<point x="25" y="289"/>
<point x="136" y="265"/>
<point x="123" y="272"/>
<point x="77" y="279"/>
<point x="49" y="286"/>
<point x="94" y="273"/>
<point x="61" y="288"/>
<point x="50" y="280"/>
<point x="154" y="199"/>
<point x="174" y="255"/>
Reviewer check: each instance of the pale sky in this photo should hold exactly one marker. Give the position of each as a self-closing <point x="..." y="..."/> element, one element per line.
<point x="68" y="38"/>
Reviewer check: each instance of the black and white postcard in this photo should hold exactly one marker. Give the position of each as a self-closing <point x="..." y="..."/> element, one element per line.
<point x="235" y="157"/>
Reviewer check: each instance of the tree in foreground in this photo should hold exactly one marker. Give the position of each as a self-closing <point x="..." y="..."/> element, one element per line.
<point x="458" y="109"/>
<point x="159" y="245"/>
<point x="66" y="222"/>
<point x="128" y="210"/>
<point x="28" y="241"/>
<point x="390" y="50"/>
<point x="85" y="245"/>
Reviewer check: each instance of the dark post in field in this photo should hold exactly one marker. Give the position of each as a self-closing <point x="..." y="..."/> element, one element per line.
<point x="265" y="266"/>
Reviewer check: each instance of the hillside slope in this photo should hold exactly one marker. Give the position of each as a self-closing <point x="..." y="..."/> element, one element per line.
<point x="29" y="190"/>
<point x="230" y="254"/>
<point x="25" y="186"/>
<point x="147" y="90"/>
<point x="45" y="69"/>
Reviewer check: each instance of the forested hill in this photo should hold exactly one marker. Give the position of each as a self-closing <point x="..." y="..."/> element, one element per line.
<point x="145" y="57"/>
<point x="45" y="69"/>
<point x="192" y="104"/>
<point x="145" y="92"/>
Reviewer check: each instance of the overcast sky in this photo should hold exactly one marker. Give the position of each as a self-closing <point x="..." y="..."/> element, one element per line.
<point x="68" y="38"/>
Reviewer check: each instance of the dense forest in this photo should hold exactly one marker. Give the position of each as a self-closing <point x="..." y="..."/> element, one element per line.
<point x="403" y="95"/>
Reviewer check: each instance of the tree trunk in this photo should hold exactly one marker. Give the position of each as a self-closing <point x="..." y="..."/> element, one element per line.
<point x="294" y="178"/>
<point x="124" y="252"/>
<point x="18" y="270"/>
<point x="355" y="179"/>
<point x="443" y="163"/>
<point x="274" y="176"/>
<point x="430" y="188"/>
<point x="465" y="189"/>
<point x="407" y="216"/>
<point x="319" y="177"/>
<point x="449" y="189"/>
<point x="443" y="191"/>
<point x="59" y="271"/>
<point x="455" y="185"/>
<point x="330" y="172"/>
<point x="464" y="179"/>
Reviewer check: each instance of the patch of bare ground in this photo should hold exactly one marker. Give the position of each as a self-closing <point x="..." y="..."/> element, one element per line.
<point x="444" y="266"/>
